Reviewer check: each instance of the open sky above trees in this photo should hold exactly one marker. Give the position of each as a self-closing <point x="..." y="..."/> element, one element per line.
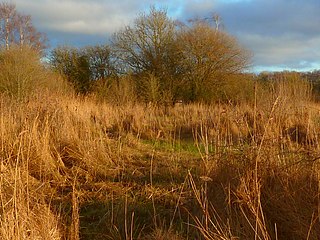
<point x="282" y="34"/>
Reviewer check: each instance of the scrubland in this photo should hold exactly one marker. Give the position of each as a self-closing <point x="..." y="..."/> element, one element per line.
<point x="92" y="146"/>
<point x="78" y="168"/>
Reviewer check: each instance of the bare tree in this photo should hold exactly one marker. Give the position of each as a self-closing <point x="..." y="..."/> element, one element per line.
<point x="178" y="60"/>
<point x="101" y="64"/>
<point x="143" y="47"/>
<point x="23" y="25"/>
<point x="17" y="29"/>
<point x="209" y="57"/>
<point x="217" y="21"/>
<point x="147" y="49"/>
<point x="8" y="18"/>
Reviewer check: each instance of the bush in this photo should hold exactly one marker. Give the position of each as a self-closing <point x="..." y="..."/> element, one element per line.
<point x="21" y="72"/>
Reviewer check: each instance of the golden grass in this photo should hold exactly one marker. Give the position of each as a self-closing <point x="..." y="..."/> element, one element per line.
<point x="73" y="168"/>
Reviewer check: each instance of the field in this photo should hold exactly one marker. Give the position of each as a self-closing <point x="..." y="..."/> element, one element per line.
<point x="76" y="168"/>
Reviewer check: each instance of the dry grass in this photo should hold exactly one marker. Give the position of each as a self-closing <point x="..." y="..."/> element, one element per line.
<point x="72" y="168"/>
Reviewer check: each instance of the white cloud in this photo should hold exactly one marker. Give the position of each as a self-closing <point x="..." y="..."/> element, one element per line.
<point x="286" y="50"/>
<point x="87" y="17"/>
<point x="279" y="32"/>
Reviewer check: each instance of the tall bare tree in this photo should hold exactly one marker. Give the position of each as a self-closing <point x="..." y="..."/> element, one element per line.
<point x="143" y="46"/>
<point x="8" y="18"/>
<point x="147" y="49"/>
<point x="17" y="29"/>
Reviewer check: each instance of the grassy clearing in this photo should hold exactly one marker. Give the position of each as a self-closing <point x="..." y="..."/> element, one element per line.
<point x="72" y="168"/>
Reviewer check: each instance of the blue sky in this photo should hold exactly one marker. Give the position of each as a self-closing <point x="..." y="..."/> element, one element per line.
<point x="281" y="34"/>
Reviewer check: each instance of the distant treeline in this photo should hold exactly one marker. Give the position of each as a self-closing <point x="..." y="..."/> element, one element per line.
<point x="155" y="60"/>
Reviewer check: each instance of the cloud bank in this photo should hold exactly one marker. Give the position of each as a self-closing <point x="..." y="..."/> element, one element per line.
<point x="282" y="34"/>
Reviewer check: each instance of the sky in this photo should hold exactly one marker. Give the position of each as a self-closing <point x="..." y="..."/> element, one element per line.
<point x="281" y="34"/>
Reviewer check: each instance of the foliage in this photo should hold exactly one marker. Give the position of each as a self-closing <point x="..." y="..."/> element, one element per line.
<point x="314" y="78"/>
<point x="244" y="166"/>
<point x="151" y="89"/>
<point x="237" y="88"/>
<point x="74" y="66"/>
<point x="167" y="61"/>
<point x="100" y="61"/>
<point x="290" y="88"/>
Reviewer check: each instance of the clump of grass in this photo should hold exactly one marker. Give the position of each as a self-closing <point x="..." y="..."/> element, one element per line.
<point x="25" y="212"/>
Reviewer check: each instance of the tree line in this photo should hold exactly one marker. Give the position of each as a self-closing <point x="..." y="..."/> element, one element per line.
<point x="165" y="59"/>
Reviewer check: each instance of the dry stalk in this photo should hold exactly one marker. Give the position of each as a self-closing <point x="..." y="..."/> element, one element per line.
<point x="210" y="228"/>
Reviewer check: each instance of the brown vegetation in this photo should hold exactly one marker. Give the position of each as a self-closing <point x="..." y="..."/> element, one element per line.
<point x="77" y="168"/>
<point x="106" y="165"/>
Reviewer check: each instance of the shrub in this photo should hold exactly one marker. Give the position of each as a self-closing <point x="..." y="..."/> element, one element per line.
<point x="21" y="72"/>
